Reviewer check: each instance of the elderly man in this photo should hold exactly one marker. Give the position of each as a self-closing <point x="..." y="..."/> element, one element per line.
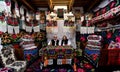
<point x="54" y="41"/>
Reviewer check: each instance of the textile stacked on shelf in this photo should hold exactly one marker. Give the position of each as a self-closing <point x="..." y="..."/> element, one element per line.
<point x="30" y="50"/>
<point x="93" y="47"/>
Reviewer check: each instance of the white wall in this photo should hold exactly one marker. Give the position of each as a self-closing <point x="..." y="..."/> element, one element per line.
<point x="60" y="30"/>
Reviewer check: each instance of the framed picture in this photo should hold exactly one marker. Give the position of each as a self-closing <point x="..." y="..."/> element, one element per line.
<point x="60" y="13"/>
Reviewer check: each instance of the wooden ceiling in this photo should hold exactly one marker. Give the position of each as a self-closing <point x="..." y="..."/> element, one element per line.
<point x="68" y="3"/>
<point x="86" y="4"/>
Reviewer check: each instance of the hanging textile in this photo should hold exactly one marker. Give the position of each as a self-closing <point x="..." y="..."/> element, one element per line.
<point x="17" y="9"/>
<point x="22" y="10"/>
<point x="15" y="22"/>
<point x="22" y="23"/>
<point x="90" y="30"/>
<point x="8" y="4"/>
<point x="83" y="30"/>
<point x="16" y="29"/>
<point x="3" y="6"/>
<point x="104" y="10"/>
<point x="112" y="4"/>
<point x="22" y="13"/>
<point x="97" y="13"/>
<point x="36" y="29"/>
<point x="3" y="26"/>
<point x="28" y="16"/>
<point x="37" y="16"/>
<point x="42" y="26"/>
<point x="104" y="3"/>
<point x="28" y="28"/>
<point x="118" y="3"/>
<point x="87" y="30"/>
<point x="10" y="29"/>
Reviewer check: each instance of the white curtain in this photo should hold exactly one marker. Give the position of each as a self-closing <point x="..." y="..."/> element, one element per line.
<point x="3" y="26"/>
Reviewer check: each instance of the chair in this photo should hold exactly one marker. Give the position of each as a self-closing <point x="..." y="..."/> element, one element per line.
<point x="8" y="59"/>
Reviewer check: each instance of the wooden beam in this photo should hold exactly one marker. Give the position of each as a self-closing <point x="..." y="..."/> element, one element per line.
<point x="71" y="4"/>
<point x="92" y="4"/>
<point x="60" y="4"/>
<point x="40" y="3"/>
<point x="80" y="2"/>
<point x="50" y="4"/>
<point x="27" y="4"/>
<point x="61" y="1"/>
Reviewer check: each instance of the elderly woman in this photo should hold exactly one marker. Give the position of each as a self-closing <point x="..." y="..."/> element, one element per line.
<point x="65" y="41"/>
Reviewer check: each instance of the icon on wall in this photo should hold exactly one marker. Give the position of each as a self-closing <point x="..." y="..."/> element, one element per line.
<point x="60" y="13"/>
